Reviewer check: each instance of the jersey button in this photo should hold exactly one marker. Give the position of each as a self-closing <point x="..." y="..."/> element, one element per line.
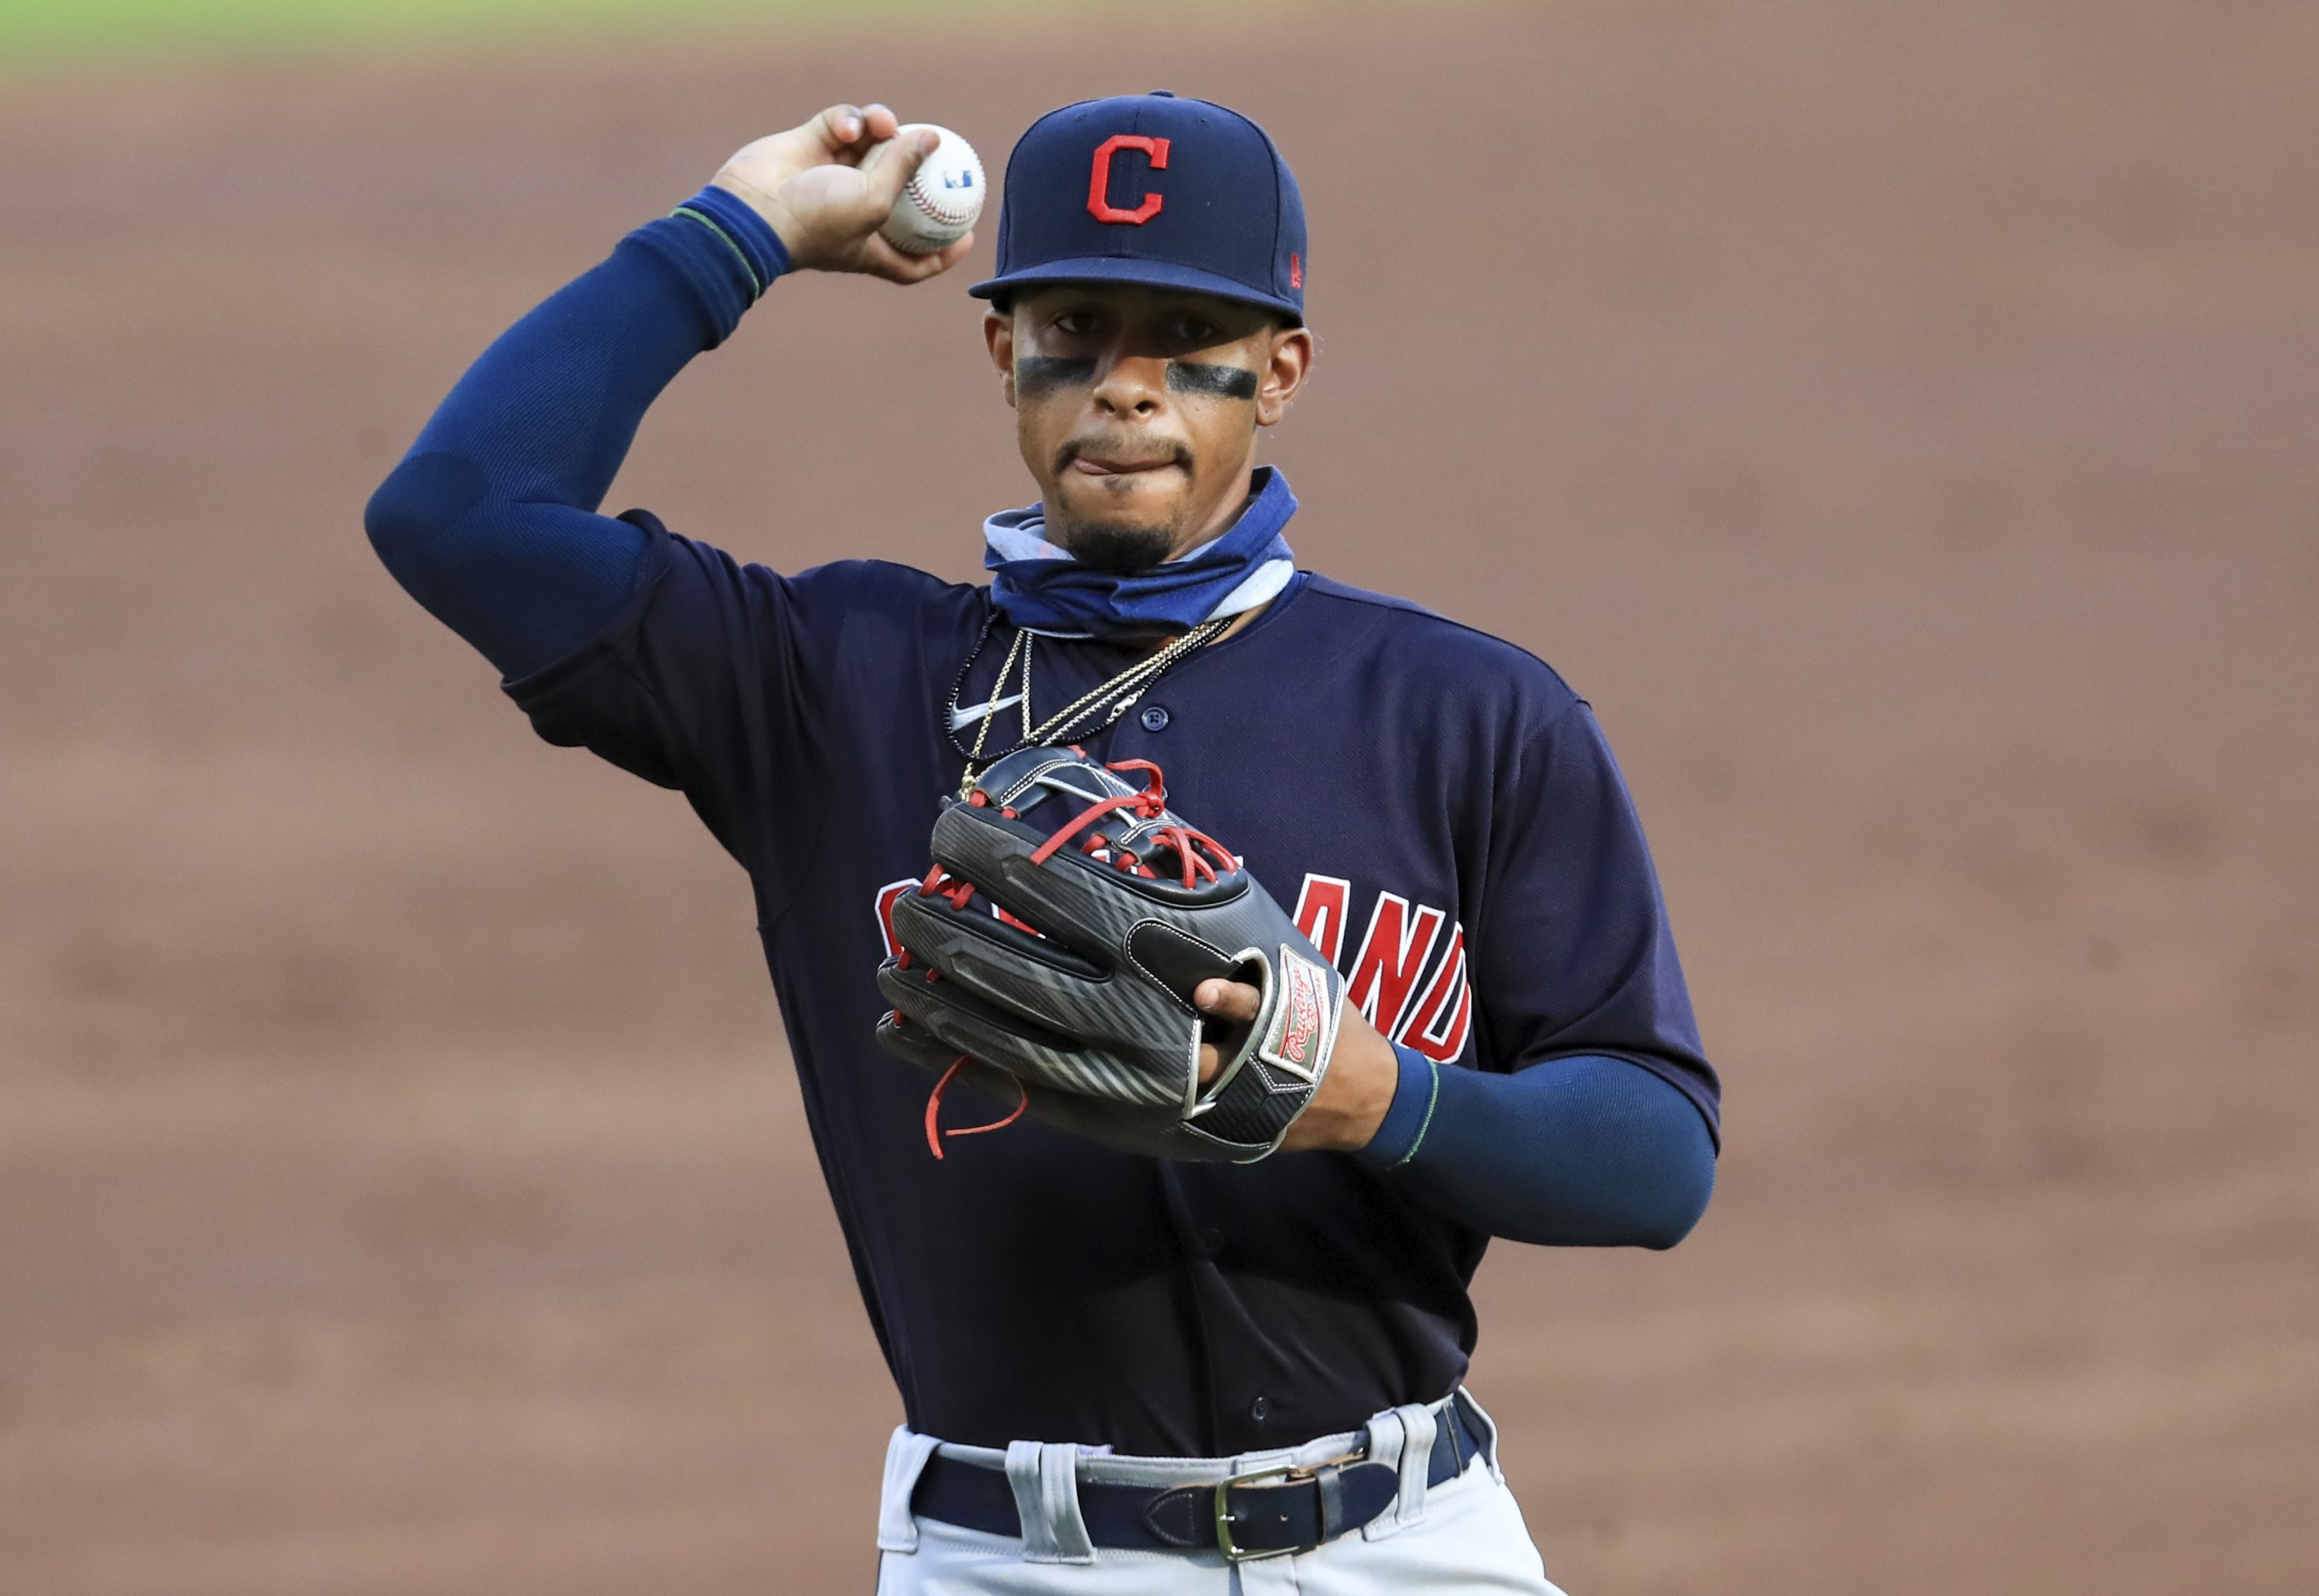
<point x="1212" y="1240"/>
<point x="1154" y="719"/>
<point x="1258" y="1409"/>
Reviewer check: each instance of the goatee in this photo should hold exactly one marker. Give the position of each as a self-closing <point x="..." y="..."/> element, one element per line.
<point x="1119" y="551"/>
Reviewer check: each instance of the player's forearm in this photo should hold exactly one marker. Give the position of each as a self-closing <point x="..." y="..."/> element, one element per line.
<point x="490" y="520"/>
<point x="1572" y="1152"/>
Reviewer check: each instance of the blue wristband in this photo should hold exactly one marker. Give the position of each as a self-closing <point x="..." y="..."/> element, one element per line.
<point x="1402" y="1130"/>
<point x="751" y="236"/>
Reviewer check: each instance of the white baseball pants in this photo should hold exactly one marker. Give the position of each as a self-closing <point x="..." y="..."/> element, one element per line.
<point x="1462" y="1535"/>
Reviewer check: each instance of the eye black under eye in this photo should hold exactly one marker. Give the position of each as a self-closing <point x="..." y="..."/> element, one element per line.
<point x="1217" y="381"/>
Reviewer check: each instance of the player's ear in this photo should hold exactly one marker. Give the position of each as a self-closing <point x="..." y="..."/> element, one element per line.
<point x="1284" y="375"/>
<point x="998" y="332"/>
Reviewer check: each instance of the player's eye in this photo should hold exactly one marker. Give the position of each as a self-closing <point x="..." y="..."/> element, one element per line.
<point x="1076" y="324"/>
<point x="1191" y="329"/>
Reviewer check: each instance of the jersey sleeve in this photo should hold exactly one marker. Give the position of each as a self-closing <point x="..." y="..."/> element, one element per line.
<point x="715" y="678"/>
<point x="1574" y="954"/>
<point x="491" y="520"/>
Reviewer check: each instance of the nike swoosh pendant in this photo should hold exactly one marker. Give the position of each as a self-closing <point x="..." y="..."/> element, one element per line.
<point x="966" y="715"/>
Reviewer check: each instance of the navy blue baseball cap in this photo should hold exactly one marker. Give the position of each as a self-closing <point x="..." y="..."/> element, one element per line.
<point x="1149" y="188"/>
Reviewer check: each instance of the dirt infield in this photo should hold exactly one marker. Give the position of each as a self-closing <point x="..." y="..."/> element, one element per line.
<point x="1897" y="420"/>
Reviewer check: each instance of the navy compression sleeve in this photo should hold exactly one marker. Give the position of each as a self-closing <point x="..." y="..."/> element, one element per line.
<point x="1581" y="1151"/>
<point x="490" y="520"/>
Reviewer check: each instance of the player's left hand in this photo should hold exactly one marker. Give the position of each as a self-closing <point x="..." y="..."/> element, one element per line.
<point x="1059" y="941"/>
<point x="1351" y="1104"/>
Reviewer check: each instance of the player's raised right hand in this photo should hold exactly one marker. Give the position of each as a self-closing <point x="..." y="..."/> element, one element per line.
<point x="812" y="188"/>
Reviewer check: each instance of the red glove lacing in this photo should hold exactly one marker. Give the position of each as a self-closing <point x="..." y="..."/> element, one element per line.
<point x="1199" y="854"/>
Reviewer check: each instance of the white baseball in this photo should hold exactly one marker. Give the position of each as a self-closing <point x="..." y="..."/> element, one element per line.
<point x="943" y="198"/>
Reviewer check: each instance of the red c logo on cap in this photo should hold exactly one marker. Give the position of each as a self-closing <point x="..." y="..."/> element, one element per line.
<point x="1099" y="203"/>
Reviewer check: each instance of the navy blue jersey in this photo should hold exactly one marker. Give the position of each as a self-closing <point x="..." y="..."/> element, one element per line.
<point x="1440" y="810"/>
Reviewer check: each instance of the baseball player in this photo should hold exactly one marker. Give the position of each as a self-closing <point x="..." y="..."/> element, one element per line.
<point x="1254" y="948"/>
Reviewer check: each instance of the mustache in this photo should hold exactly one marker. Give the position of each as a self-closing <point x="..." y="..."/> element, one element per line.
<point x="1121" y="449"/>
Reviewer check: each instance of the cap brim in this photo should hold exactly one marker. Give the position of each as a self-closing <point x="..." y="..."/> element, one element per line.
<point x="1126" y="268"/>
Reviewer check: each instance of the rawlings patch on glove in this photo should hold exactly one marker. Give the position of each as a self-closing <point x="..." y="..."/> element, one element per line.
<point x="1051" y="955"/>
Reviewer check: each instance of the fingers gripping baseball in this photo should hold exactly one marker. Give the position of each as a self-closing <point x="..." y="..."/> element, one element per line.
<point x="827" y="187"/>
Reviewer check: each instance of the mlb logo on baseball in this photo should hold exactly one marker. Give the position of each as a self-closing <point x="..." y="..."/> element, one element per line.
<point x="942" y="199"/>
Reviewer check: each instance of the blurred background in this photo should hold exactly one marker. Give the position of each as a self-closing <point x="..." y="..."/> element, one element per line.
<point x="1897" y="419"/>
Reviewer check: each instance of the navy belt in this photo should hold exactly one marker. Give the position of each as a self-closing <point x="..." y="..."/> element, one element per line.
<point x="1262" y="1513"/>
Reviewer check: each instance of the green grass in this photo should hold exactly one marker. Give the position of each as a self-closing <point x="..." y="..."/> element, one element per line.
<point x="37" y="34"/>
<point x="48" y="30"/>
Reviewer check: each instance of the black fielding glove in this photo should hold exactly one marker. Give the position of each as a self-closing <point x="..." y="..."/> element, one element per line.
<point x="1055" y="949"/>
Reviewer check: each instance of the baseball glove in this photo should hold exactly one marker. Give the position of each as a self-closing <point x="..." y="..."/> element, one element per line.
<point x="1051" y="955"/>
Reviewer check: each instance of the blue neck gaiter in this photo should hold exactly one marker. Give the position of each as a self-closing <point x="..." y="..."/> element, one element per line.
<point x="1042" y="589"/>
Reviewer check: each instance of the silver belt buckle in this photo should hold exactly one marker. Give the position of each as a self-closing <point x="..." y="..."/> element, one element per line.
<point x="1237" y="1554"/>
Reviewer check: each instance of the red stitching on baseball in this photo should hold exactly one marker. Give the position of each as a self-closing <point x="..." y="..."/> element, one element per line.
<point x="933" y="207"/>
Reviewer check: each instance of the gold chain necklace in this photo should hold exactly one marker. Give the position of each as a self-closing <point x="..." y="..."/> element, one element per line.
<point x="1109" y="699"/>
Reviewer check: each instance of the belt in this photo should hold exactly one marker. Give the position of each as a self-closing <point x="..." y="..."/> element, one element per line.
<point x="1265" y="1511"/>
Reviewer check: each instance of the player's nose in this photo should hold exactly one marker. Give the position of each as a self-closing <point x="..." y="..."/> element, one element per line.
<point x="1129" y="384"/>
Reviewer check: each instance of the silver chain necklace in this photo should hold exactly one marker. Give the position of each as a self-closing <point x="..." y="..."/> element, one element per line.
<point x="1101" y="707"/>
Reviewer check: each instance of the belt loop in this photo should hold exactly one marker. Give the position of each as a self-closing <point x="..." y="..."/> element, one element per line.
<point x="1489" y="1431"/>
<point x="1416" y="1461"/>
<point x="1044" y="1476"/>
<point x="906" y="1458"/>
<point x="1402" y="1438"/>
<point x="1387" y="1436"/>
